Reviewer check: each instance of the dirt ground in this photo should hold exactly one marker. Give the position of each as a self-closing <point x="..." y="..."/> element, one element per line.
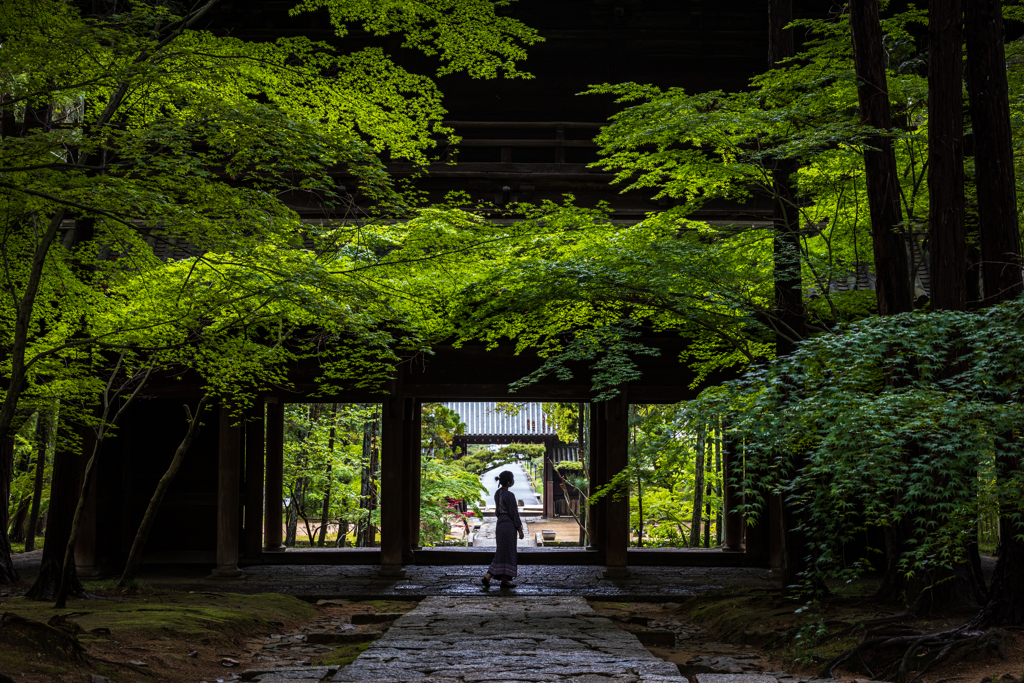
<point x="176" y="637"/>
<point x="185" y="637"/>
<point x="750" y="633"/>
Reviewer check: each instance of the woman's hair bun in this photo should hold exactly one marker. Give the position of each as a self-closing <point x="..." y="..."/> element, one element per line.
<point x="497" y="479"/>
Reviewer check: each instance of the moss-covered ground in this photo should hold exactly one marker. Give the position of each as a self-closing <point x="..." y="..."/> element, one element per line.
<point x="160" y="629"/>
<point x="792" y="635"/>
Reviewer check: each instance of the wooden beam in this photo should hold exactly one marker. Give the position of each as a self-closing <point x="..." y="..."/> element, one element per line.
<point x="496" y="142"/>
<point x="526" y="124"/>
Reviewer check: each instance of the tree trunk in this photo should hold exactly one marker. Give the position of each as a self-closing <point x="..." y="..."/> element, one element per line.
<point x="131" y="568"/>
<point x="582" y="429"/>
<point x="894" y="292"/>
<point x="16" y="533"/>
<point x="325" y="512"/>
<point x="718" y="486"/>
<point x="698" y="490"/>
<point x="110" y="398"/>
<point x="639" y="514"/>
<point x="1001" y="255"/>
<point x="367" y="535"/>
<point x="993" y="151"/>
<point x="8" y="574"/>
<point x="65" y="483"/>
<point x="947" y="235"/>
<point x="342" y="540"/>
<point x="44" y="434"/>
<point x="788" y="295"/>
<point x="707" y="516"/>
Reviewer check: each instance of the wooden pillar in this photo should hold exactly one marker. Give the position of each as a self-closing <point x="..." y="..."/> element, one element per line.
<point x="393" y="526"/>
<point x="411" y="479"/>
<point x="598" y="476"/>
<point x="228" y="476"/>
<point x="616" y="522"/>
<point x="732" y="496"/>
<point x="254" y="457"/>
<point x="274" y="485"/>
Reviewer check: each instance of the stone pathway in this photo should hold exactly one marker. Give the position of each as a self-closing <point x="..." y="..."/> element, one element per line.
<point x="484" y="536"/>
<point x="497" y="640"/>
<point x="522" y="489"/>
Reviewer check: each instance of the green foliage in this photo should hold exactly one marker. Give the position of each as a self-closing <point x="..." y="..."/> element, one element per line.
<point x="146" y="132"/>
<point x="485" y="460"/>
<point x="849" y="448"/>
<point x="443" y="484"/>
<point x="324" y="456"/>
<point x="438" y="426"/>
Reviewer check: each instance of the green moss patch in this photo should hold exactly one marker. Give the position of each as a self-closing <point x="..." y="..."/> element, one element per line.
<point x="206" y="617"/>
<point x="343" y="656"/>
<point x="387" y="605"/>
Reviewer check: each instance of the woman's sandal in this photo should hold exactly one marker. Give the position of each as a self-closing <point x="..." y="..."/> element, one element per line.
<point x="486" y="582"/>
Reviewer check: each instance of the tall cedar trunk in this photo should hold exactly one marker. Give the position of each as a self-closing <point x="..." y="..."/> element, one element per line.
<point x="639" y="513"/>
<point x="718" y="485"/>
<point x="698" y="490"/>
<point x="947" y="237"/>
<point x="894" y="292"/>
<point x="44" y="434"/>
<point x="958" y="588"/>
<point x="1001" y="256"/>
<point x="325" y="512"/>
<point x="131" y="567"/>
<point x="364" y="487"/>
<point x="707" y="506"/>
<point x="789" y="303"/>
<point x="788" y="286"/>
<point x="993" y="151"/>
<point x="8" y="574"/>
<point x="368" y="488"/>
<point x="65" y="484"/>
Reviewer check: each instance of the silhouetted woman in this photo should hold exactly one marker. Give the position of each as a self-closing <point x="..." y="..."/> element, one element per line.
<point x="504" y="566"/>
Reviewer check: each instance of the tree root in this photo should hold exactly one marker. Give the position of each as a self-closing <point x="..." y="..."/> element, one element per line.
<point x="919" y="652"/>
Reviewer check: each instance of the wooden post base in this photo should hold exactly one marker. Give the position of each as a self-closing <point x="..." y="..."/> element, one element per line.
<point x="391" y="571"/>
<point x="227" y="573"/>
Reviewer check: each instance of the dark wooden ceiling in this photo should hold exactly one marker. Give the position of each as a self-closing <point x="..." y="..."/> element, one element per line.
<point x="695" y="44"/>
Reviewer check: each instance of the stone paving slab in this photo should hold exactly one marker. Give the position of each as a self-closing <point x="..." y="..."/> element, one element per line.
<point x="735" y="678"/>
<point x="362" y="582"/>
<point x="505" y="639"/>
